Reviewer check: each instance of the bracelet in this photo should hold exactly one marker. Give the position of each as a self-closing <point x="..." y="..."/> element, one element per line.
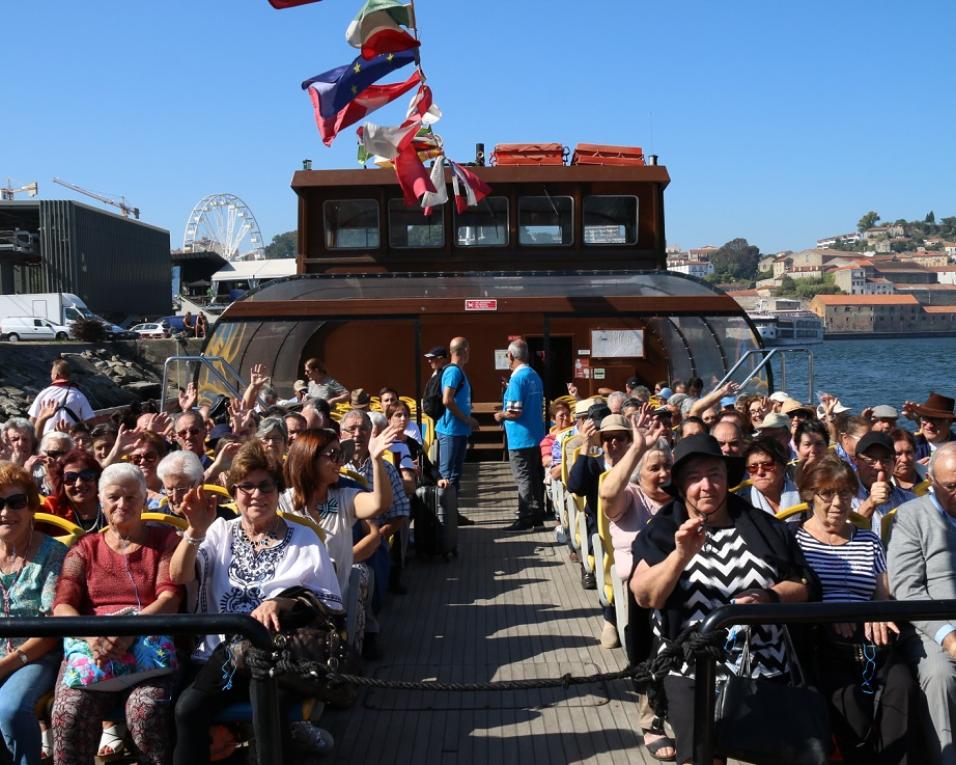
<point x="24" y="659"/>
<point x="194" y="541"/>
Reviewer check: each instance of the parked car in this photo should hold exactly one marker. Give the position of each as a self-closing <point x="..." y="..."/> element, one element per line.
<point x="150" y="329"/>
<point x="16" y="328"/>
<point x="173" y="323"/>
<point x="116" y="332"/>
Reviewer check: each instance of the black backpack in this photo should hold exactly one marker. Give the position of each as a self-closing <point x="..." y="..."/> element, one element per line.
<point x="432" y="403"/>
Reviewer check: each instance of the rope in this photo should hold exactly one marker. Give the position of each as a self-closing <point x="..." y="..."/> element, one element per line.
<point x="686" y="648"/>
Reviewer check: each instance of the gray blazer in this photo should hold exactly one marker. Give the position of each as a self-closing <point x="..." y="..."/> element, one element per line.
<point x="920" y="559"/>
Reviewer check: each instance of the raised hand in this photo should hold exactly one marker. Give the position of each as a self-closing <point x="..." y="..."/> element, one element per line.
<point x="199" y="509"/>
<point x="258" y="375"/>
<point x="690" y="538"/>
<point x="377" y="445"/>
<point x="187" y="397"/>
<point x="47" y="409"/>
<point x="881" y="489"/>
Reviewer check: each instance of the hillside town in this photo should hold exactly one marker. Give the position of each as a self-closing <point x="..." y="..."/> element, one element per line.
<point x="883" y="279"/>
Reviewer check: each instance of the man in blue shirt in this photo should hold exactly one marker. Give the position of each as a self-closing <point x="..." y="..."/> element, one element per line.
<point x="456" y="423"/>
<point x="523" y="418"/>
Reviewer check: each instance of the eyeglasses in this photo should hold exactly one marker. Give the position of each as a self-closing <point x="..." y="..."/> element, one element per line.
<point x="621" y="437"/>
<point x="264" y="487"/>
<point x="874" y="461"/>
<point x="188" y="432"/>
<point x="828" y="495"/>
<point x="54" y="455"/>
<point x="178" y="493"/>
<point x="147" y="457"/>
<point x="333" y="455"/>
<point x="758" y="467"/>
<point x="86" y="476"/>
<point x="14" y="502"/>
<point x="273" y="438"/>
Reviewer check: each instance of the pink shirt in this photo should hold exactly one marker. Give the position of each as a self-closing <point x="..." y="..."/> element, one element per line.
<point x="639" y="509"/>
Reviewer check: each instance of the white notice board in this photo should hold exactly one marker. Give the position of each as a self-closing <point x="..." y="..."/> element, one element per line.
<point x="617" y="343"/>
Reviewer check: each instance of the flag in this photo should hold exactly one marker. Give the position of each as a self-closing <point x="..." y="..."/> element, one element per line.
<point x="372" y="98"/>
<point x="337" y="87"/>
<point x="412" y="176"/>
<point x="377" y="28"/>
<point x="475" y="189"/>
<point x="289" y="3"/>
<point x="440" y="195"/>
<point x="387" y="142"/>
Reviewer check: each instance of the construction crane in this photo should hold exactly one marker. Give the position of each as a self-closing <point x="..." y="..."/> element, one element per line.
<point x="7" y="192"/>
<point x="124" y="208"/>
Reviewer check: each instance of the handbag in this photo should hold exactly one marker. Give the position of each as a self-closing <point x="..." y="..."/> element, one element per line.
<point x="766" y="721"/>
<point x="309" y="632"/>
<point x="149" y="656"/>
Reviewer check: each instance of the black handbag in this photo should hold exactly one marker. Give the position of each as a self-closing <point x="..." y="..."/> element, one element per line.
<point x="310" y="633"/>
<point x="767" y="721"/>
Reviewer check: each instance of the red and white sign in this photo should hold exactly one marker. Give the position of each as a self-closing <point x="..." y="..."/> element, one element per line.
<point x="481" y="304"/>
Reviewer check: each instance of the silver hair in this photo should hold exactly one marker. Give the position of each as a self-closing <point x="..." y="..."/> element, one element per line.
<point x="662" y="447"/>
<point x="181" y="463"/>
<point x="270" y="424"/>
<point x="947" y="449"/>
<point x="617" y="398"/>
<point x="122" y="472"/>
<point x="58" y="437"/>
<point x="518" y="350"/>
<point x="378" y="420"/>
<point x="18" y="423"/>
<point x="353" y="414"/>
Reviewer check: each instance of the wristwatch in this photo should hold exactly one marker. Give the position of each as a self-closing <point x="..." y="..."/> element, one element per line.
<point x="24" y="659"/>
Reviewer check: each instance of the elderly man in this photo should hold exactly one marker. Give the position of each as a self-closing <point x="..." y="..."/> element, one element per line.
<point x="920" y="567"/>
<point x="883" y="418"/>
<point x="18" y="440"/>
<point x="874" y="460"/>
<point x="729" y="437"/>
<point x="523" y="420"/>
<point x="357" y="427"/>
<point x="777" y="426"/>
<point x="935" y="423"/>
<point x="190" y="431"/>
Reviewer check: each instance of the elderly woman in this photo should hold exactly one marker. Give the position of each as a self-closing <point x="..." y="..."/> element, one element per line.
<point x="812" y="440"/>
<point x="851" y="567"/>
<point x="906" y="470"/>
<point x="76" y="497"/>
<point x="274" y="437"/>
<point x="707" y="548"/>
<point x="19" y="440"/>
<point x="123" y="570"/>
<point x="148" y="450"/>
<point x="244" y="566"/>
<point x="771" y="489"/>
<point x="30" y="563"/>
<point x="43" y="465"/>
<point x="631" y="494"/>
<point x="561" y="414"/>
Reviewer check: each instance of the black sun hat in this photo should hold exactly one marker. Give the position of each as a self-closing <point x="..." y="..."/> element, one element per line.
<point x="703" y="446"/>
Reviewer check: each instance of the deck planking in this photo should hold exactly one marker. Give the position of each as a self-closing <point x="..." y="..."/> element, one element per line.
<point x="509" y="606"/>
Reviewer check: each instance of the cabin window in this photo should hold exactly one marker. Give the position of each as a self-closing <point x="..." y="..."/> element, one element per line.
<point x="545" y="220"/>
<point x="485" y="225"/>
<point x="351" y="224"/>
<point x="410" y="227"/>
<point x="610" y="220"/>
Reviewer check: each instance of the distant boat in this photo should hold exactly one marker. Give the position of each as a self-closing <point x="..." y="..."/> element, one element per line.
<point x="789" y="327"/>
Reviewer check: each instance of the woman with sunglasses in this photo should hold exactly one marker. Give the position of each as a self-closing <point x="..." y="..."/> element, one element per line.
<point x="147" y="452"/>
<point x="76" y="494"/>
<point x="30" y="563"/>
<point x="771" y="488"/>
<point x="243" y="566"/>
<point x="855" y="660"/>
<point x="317" y="491"/>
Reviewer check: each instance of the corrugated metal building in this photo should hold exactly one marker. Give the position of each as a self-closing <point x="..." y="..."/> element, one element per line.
<point x="117" y="265"/>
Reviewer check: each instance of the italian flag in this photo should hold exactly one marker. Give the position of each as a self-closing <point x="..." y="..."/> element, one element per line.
<point x="378" y="29"/>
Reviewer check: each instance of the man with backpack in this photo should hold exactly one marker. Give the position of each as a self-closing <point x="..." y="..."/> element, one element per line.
<point x="61" y="400"/>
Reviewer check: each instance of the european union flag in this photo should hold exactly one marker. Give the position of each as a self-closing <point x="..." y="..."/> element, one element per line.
<point x="338" y="87"/>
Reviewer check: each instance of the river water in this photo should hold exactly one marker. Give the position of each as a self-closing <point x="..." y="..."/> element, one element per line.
<point x="866" y="372"/>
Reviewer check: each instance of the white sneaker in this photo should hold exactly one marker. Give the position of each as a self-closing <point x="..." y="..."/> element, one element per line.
<point x="560" y="535"/>
<point x="609" y="638"/>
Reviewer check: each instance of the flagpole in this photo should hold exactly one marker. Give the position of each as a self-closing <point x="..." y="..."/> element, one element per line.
<point x="414" y="21"/>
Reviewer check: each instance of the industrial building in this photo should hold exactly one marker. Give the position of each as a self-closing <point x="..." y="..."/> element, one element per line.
<point x="117" y="265"/>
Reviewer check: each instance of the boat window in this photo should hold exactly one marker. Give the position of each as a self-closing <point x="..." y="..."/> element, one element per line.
<point x="610" y="220"/>
<point x="351" y="224"/>
<point x="545" y="220"/>
<point x="410" y="227"/>
<point x="485" y="225"/>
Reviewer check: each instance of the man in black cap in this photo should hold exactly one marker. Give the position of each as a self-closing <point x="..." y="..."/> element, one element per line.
<point x="874" y="459"/>
<point x="437" y="358"/>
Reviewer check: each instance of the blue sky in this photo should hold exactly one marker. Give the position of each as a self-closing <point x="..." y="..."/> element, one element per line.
<point x="779" y="122"/>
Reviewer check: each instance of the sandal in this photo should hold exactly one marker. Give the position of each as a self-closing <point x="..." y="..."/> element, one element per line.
<point x="659" y="741"/>
<point x="310" y="738"/>
<point x="112" y="742"/>
<point x="46" y="744"/>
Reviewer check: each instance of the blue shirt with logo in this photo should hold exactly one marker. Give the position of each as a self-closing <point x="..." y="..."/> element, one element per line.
<point x="525" y="397"/>
<point x="449" y="425"/>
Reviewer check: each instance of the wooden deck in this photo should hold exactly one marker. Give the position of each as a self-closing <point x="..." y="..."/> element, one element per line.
<point x="510" y="606"/>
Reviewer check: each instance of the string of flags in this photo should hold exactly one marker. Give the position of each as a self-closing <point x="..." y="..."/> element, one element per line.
<point x="385" y="33"/>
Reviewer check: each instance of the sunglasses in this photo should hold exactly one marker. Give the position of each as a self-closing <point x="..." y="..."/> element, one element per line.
<point x="14" y="502"/>
<point x="188" y="432"/>
<point x="54" y="455"/>
<point x="758" y="467"/>
<point x="264" y="487"/>
<point x="335" y="455"/>
<point x="148" y="457"/>
<point x="86" y="476"/>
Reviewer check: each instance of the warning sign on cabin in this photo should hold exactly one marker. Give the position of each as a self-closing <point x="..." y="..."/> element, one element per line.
<point x="481" y="304"/>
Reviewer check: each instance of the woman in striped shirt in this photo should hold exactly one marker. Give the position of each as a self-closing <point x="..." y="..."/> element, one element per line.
<point x="870" y="689"/>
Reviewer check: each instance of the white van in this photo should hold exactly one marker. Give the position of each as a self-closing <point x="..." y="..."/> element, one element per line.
<point x="16" y="328"/>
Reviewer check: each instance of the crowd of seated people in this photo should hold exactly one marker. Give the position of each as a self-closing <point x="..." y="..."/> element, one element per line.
<point x="216" y="507"/>
<point x="742" y="464"/>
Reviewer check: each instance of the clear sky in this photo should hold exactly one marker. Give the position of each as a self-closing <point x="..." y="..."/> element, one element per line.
<point x="779" y="122"/>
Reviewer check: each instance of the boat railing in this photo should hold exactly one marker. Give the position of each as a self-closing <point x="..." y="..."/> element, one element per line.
<point x="264" y="698"/>
<point x="220" y="372"/>
<point x="763" y="358"/>
<point x="790" y="613"/>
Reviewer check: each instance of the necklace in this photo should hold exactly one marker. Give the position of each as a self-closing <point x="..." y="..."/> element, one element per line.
<point x="94" y="524"/>
<point x="267" y="540"/>
<point x="822" y="535"/>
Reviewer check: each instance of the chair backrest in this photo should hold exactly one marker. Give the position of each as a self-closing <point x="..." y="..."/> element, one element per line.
<point x="886" y="525"/>
<point x="72" y="532"/>
<point x="744" y="484"/>
<point x="301" y="520"/>
<point x="920" y="489"/>
<point x="604" y="532"/>
<point x="175" y="521"/>
<point x="568" y="455"/>
<point x="789" y="512"/>
<point x="357" y="477"/>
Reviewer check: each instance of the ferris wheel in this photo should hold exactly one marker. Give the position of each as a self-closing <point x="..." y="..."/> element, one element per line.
<point x="224" y="224"/>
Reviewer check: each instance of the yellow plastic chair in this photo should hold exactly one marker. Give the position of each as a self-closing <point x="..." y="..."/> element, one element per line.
<point x="181" y="524"/>
<point x="921" y="488"/>
<point x="73" y="531"/>
<point x="390" y="457"/>
<point x="411" y="403"/>
<point x="579" y="523"/>
<point x="357" y="477"/>
<point x="569" y="450"/>
<point x="603" y="551"/>
<point x="301" y="520"/>
<point x="789" y="512"/>
<point x="744" y="484"/>
<point x="219" y="491"/>
<point x="886" y="526"/>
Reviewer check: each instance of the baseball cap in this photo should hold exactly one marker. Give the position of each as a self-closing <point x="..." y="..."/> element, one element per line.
<point x="633" y="382"/>
<point x="299" y="385"/>
<point x="875" y="438"/>
<point x="883" y="411"/>
<point x="779" y="396"/>
<point x="665" y="393"/>
<point x="438" y="352"/>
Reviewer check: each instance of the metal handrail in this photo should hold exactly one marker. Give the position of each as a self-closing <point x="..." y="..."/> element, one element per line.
<point x="263" y="694"/>
<point x="789" y="613"/>
<point x="235" y="388"/>
<point x="767" y="355"/>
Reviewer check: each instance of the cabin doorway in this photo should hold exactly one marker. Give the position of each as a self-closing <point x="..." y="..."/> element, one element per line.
<point x="556" y="369"/>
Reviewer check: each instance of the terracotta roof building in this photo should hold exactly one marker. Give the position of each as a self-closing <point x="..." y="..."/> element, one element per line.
<point x="868" y="313"/>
